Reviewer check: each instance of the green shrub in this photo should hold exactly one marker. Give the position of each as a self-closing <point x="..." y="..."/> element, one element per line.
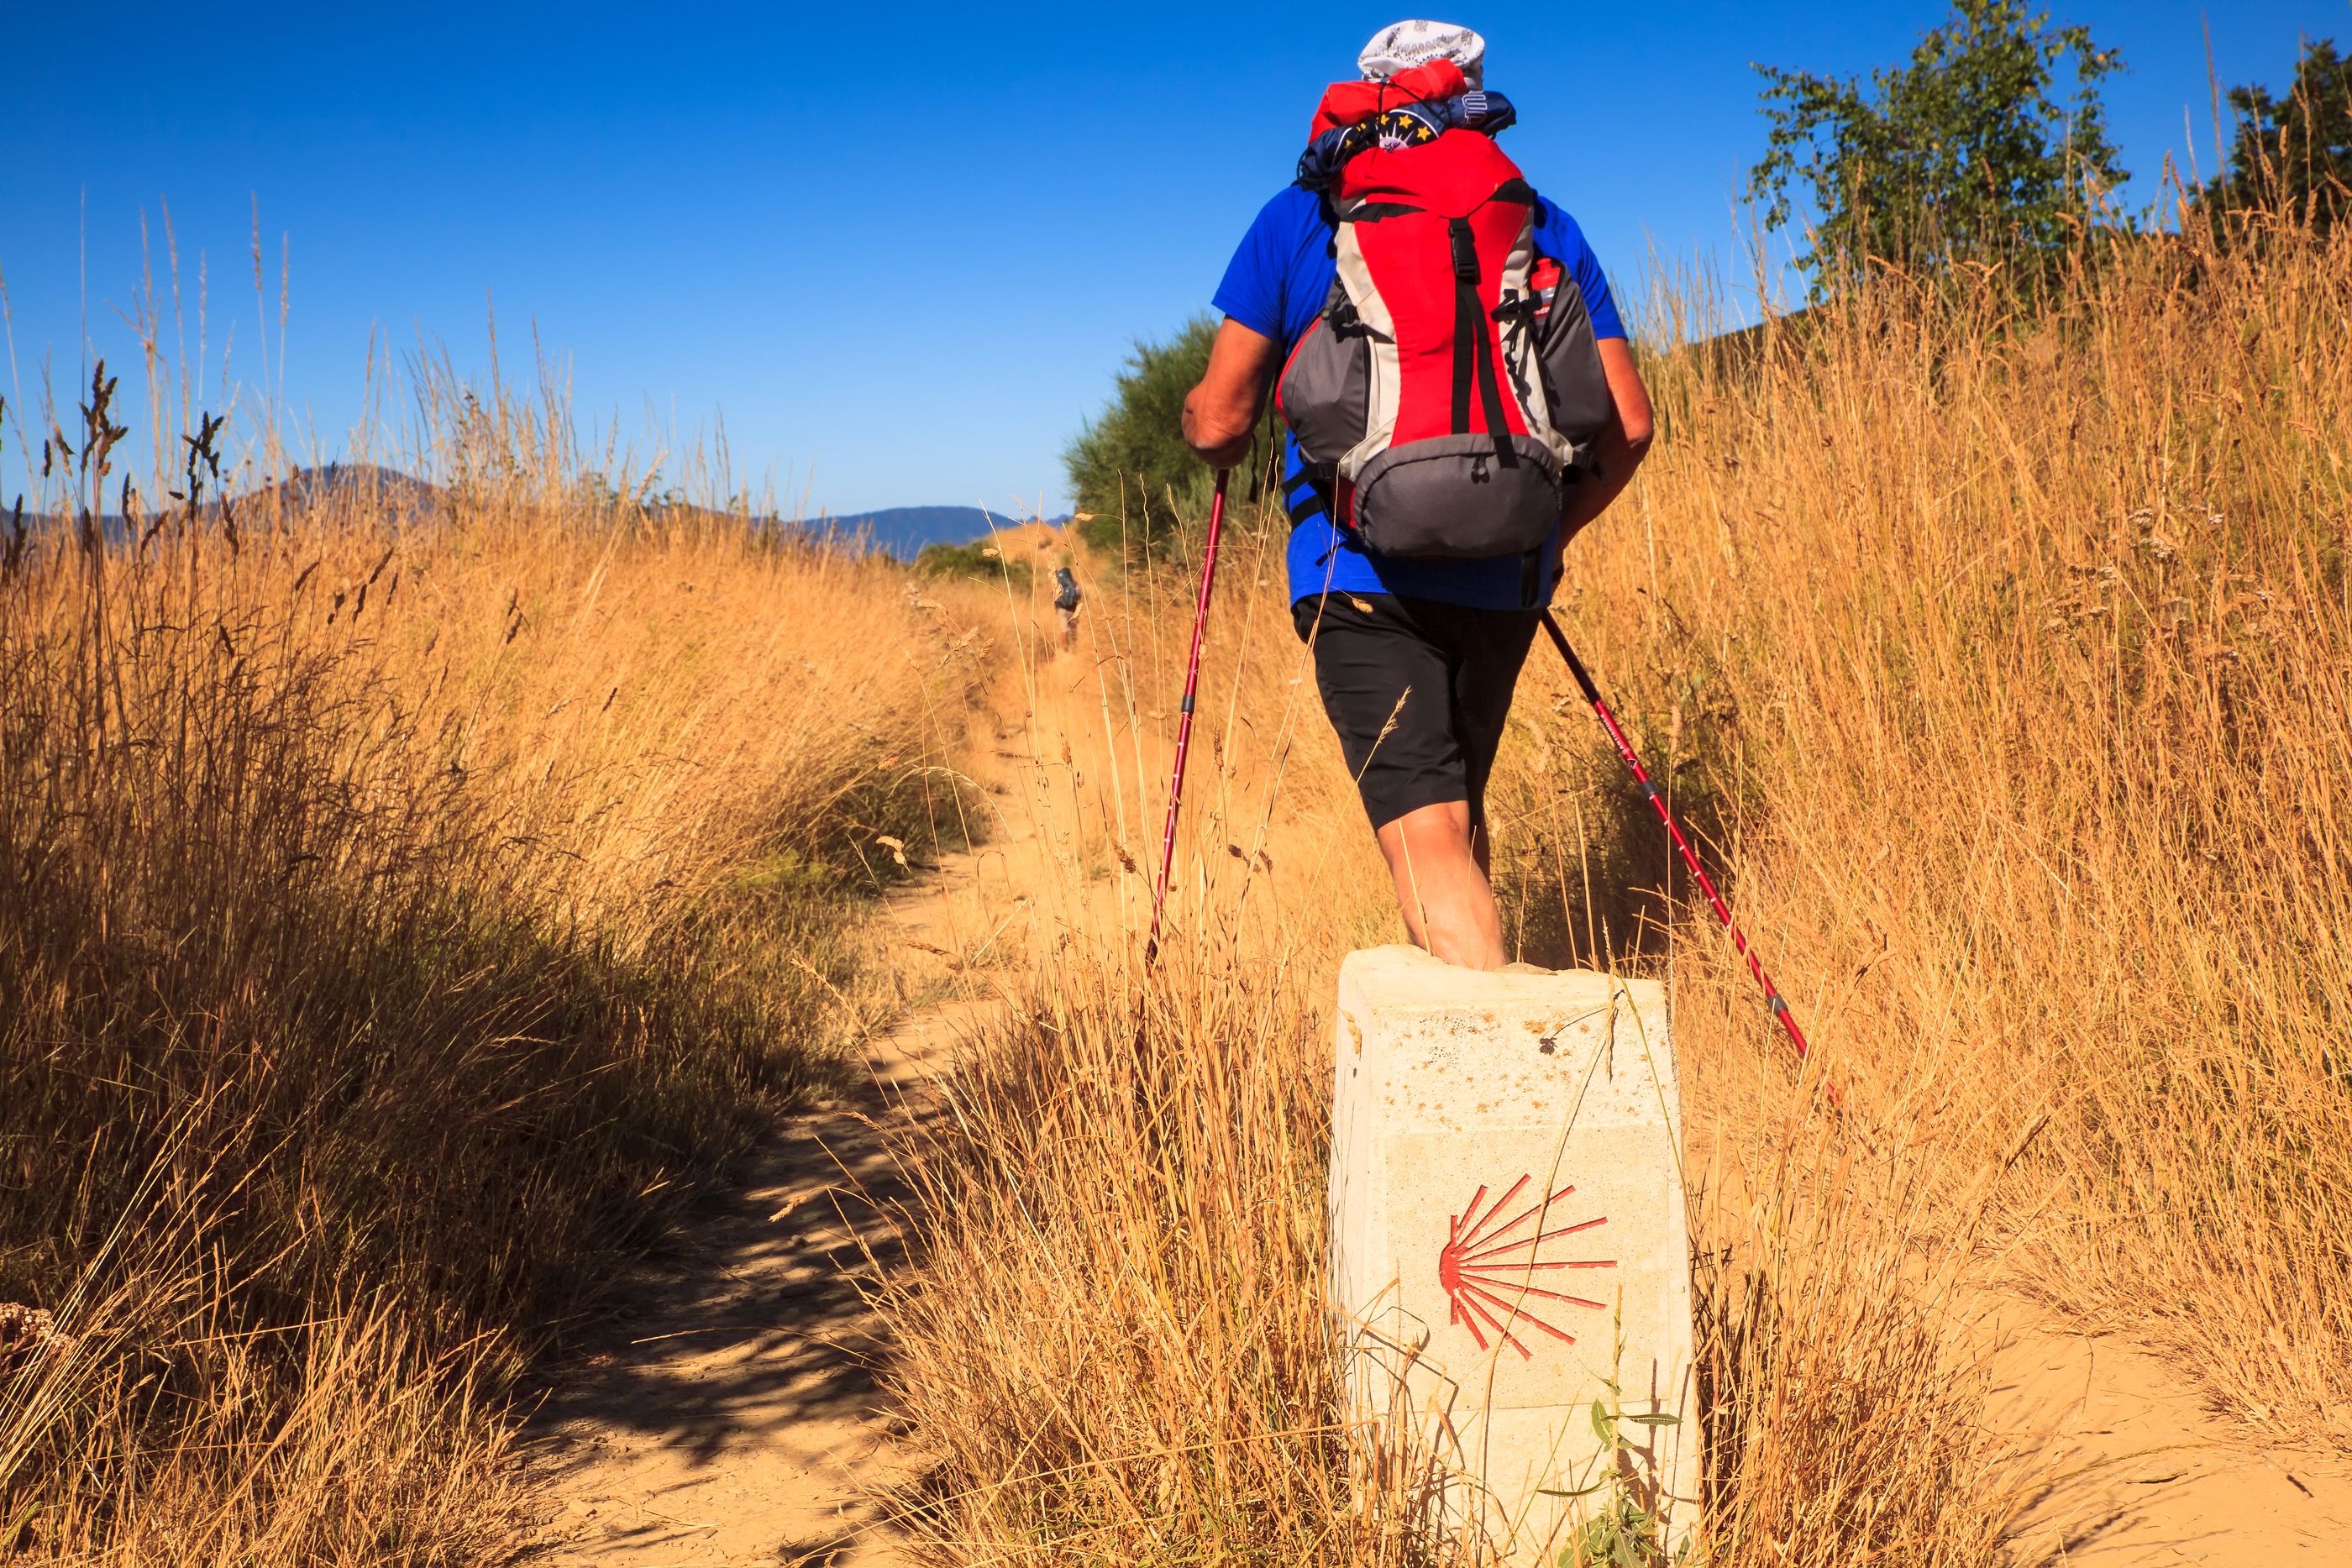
<point x="1968" y="153"/>
<point x="978" y="558"/>
<point x="1135" y="482"/>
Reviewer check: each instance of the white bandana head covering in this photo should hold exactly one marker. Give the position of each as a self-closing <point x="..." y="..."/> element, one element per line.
<point x="1409" y="44"/>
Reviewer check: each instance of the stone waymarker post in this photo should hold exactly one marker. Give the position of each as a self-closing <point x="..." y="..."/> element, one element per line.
<point x="1508" y="1238"/>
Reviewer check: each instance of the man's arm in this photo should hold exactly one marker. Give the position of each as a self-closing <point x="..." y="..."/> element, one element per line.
<point x="1221" y="413"/>
<point x="1620" y="448"/>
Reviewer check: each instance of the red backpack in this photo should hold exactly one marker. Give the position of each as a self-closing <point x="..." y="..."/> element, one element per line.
<point x="1446" y="398"/>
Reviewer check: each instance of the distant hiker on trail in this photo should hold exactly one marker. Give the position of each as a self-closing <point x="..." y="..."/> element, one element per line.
<point x="1461" y="401"/>
<point x="1066" y="599"/>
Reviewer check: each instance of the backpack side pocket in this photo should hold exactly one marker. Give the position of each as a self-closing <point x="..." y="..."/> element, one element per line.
<point x="1325" y="392"/>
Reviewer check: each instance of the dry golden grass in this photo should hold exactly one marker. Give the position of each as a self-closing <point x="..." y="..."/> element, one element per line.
<point x="2015" y="645"/>
<point x="397" y="921"/>
<point x="377" y="962"/>
<point x="2004" y="655"/>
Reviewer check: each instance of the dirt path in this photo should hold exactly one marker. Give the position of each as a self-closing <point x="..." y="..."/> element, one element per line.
<point x="728" y="1413"/>
<point x="2140" y="1472"/>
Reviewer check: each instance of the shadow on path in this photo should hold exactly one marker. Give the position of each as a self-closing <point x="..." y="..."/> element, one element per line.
<point x="728" y="1411"/>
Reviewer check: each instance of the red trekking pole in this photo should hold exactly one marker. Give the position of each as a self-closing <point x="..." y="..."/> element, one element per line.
<point x="1779" y="1008"/>
<point x="1184" y="713"/>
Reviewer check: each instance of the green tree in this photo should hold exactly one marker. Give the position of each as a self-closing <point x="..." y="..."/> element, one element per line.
<point x="2294" y="155"/>
<point x="1964" y="153"/>
<point x="1125" y="465"/>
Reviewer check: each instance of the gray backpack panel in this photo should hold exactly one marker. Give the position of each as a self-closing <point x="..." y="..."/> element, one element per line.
<point x="1576" y="388"/>
<point x="1325" y="392"/>
<point x="1453" y="497"/>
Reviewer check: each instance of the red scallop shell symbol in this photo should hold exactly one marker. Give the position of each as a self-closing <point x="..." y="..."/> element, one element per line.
<point x="1488" y="1268"/>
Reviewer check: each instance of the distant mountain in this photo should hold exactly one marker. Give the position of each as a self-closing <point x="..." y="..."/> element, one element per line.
<point x="385" y="493"/>
<point x="393" y="496"/>
<point x="402" y="494"/>
<point x="903" y="530"/>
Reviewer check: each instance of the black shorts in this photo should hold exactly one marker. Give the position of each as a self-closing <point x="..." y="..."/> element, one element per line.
<point x="1437" y="677"/>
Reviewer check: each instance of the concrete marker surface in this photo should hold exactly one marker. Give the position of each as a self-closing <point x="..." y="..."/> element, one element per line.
<point x="1510" y="1241"/>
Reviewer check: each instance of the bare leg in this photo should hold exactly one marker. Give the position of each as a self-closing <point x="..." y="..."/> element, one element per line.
<point x="1441" y="883"/>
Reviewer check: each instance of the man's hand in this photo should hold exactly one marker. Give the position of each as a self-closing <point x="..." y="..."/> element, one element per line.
<point x="1619" y="449"/>
<point x="1221" y="413"/>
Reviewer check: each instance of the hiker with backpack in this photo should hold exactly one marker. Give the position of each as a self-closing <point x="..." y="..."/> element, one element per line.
<point x="1066" y="599"/>
<point x="1461" y="398"/>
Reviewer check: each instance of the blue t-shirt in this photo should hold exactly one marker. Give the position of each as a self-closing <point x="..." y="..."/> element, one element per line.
<point x="1275" y="284"/>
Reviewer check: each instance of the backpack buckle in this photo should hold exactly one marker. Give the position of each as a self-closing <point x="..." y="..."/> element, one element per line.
<point x="1465" y="250"/>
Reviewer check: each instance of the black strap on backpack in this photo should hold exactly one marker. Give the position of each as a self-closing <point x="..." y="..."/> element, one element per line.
<point x="1309" y="492"/>
<point x="1474" y="350"/>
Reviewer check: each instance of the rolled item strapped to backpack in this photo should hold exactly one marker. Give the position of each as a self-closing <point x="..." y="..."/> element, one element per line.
<point x="1447" y="397"/>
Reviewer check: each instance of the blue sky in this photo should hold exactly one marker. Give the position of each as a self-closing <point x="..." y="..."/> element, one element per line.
<point x="901" y="256"/>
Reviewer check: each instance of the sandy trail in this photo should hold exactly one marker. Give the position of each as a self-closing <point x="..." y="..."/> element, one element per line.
<point x="730" y="1412"/>
<point x="727" y="1415"/>
<point x="2140" y="1472"/>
